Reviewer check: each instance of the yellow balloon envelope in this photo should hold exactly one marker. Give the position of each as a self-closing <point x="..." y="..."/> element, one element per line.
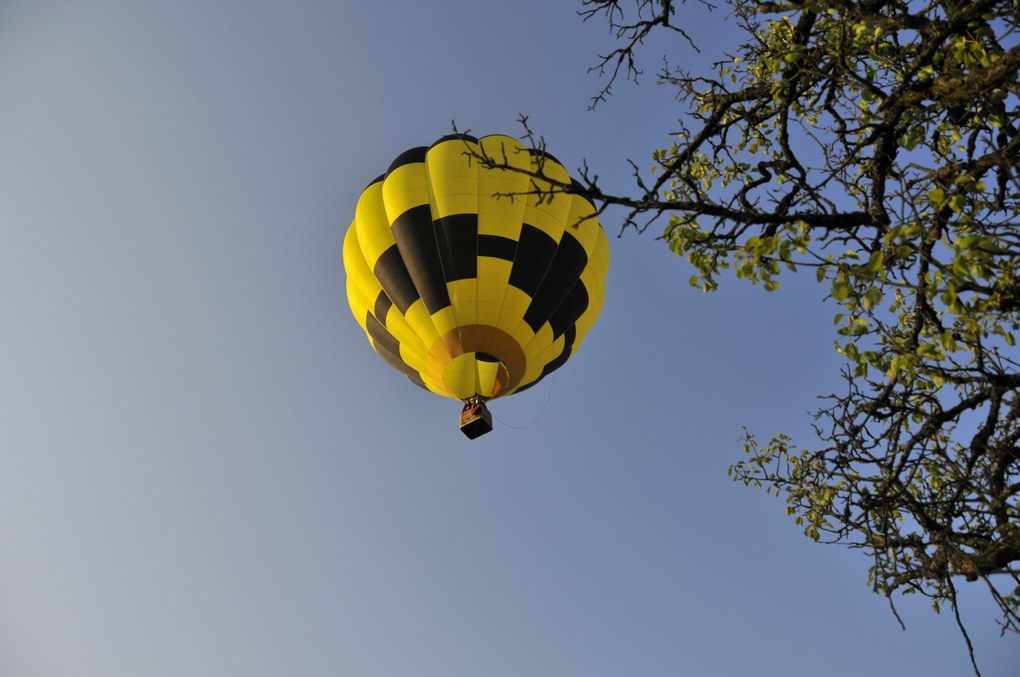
<point x="465" y="278"/>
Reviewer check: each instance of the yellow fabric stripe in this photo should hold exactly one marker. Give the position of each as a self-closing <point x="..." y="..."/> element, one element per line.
<point x="371" y="224"/>
<point x="548" y="215"/>
<point x="358" y="278"/>
<point x="452" y="178"/>
<point x="464" y="300"/>
<point x="405" y="187"/>
<point x="498" y="215"/>
<point x="459" y="376"/>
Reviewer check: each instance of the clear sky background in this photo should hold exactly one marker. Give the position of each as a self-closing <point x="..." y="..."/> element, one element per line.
<point x="206" y="471"/>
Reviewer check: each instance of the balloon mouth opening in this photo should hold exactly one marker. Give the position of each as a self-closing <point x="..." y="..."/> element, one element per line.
<point x="476" y="375"/>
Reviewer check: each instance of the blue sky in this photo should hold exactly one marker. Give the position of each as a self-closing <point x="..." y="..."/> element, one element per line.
<point x="206" y="471"/>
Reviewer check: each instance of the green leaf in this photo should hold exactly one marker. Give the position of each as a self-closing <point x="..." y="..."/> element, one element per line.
<point x="872" y="298"/>
<point x="840" y="291"/>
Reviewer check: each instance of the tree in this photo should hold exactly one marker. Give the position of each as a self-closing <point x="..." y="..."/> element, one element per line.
<point x="876" y="144"/>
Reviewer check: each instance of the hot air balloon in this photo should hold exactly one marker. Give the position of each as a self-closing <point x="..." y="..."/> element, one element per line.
<point x="466" y="278"/>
